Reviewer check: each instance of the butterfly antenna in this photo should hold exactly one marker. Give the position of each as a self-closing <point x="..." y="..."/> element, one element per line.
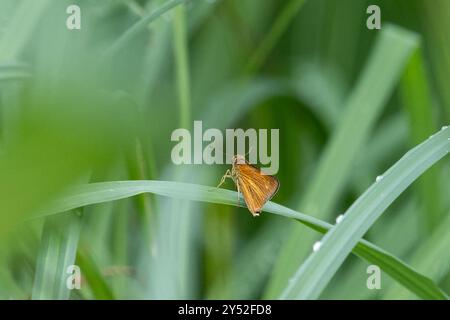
<point x="223" y="153"/>
<point x="249" y="150"/>
<point x="231" y="155"/>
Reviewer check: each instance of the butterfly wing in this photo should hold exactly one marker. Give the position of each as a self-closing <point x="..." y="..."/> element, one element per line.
<point x="256" y="187"/>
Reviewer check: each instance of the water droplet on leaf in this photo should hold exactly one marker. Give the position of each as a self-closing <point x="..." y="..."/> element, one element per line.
<point x="316" y="246"/>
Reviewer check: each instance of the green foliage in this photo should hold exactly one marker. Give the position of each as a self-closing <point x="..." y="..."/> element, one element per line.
<point x="362" y="109"/>
<point x="317" y="270"/>
<point x="85" y="123"/>
<point x="57" y="252"/>
<point x="108" y="191"/>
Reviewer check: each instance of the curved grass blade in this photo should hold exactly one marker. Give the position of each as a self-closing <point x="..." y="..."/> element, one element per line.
<point x="432" y="258"/>
<point x="141" y="25"/>
<point x="362" y="108"/>
<point x="108" y="191"/>
<point x="313" y="275"/>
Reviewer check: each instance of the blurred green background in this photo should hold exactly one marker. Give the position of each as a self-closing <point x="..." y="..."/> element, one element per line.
<point x="100" y="103"/>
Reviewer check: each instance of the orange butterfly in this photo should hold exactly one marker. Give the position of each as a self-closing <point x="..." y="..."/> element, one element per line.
<point x="256" y="188"/>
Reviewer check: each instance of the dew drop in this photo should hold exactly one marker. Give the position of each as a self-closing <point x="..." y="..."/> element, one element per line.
<point x="316" y="246"/>
<point x="339" y="218"/>
<point x="379" y="178"/>
<point x="444" y="127"/>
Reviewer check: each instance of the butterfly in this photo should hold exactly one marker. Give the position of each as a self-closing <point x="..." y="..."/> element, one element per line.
<point x="255" y="187"/>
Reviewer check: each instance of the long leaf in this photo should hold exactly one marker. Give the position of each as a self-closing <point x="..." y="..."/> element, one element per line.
<point x="96" y="281"/>
<point x="56" y="253"/>
<point x="378" y="79"/>
<point x="417" y="101"/>
<point x="312" y="277"/>
<point x="141" y="25"/>
<point x="108" y="191"/>
<point x="432" y="258"/>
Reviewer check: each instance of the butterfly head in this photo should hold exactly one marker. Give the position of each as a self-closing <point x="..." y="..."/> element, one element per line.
<point x="238" y="159"/>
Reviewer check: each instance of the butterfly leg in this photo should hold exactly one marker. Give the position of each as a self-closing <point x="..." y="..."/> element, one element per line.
<point x="226" y="175"/>
<point x="238" y="191"/>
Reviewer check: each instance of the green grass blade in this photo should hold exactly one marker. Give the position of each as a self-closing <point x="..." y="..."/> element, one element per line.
<point x="141" y="25"/>
<point x="414" y="281"/>
<point x="366" y="209"/>
<point x="279" y="27"/>
<point x="361" y="111"/>
<point x="417" y="283"/>
<point x="238" y="99"/>
<point x="312" y="276"/>
<point x="20" y="28"/>
<point x="182" y="70"/>
<point x="417" y="101"/>
<point x="436" y="20"/>
<point x="101" y="192"/>
<point x="432" y="258"/>
<point x="176" y="220"/>
<point x="57" y="251"/>
<point x="96" y="281"/>
<point x="389" y="138"/>
<point x="245" y="278"/>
